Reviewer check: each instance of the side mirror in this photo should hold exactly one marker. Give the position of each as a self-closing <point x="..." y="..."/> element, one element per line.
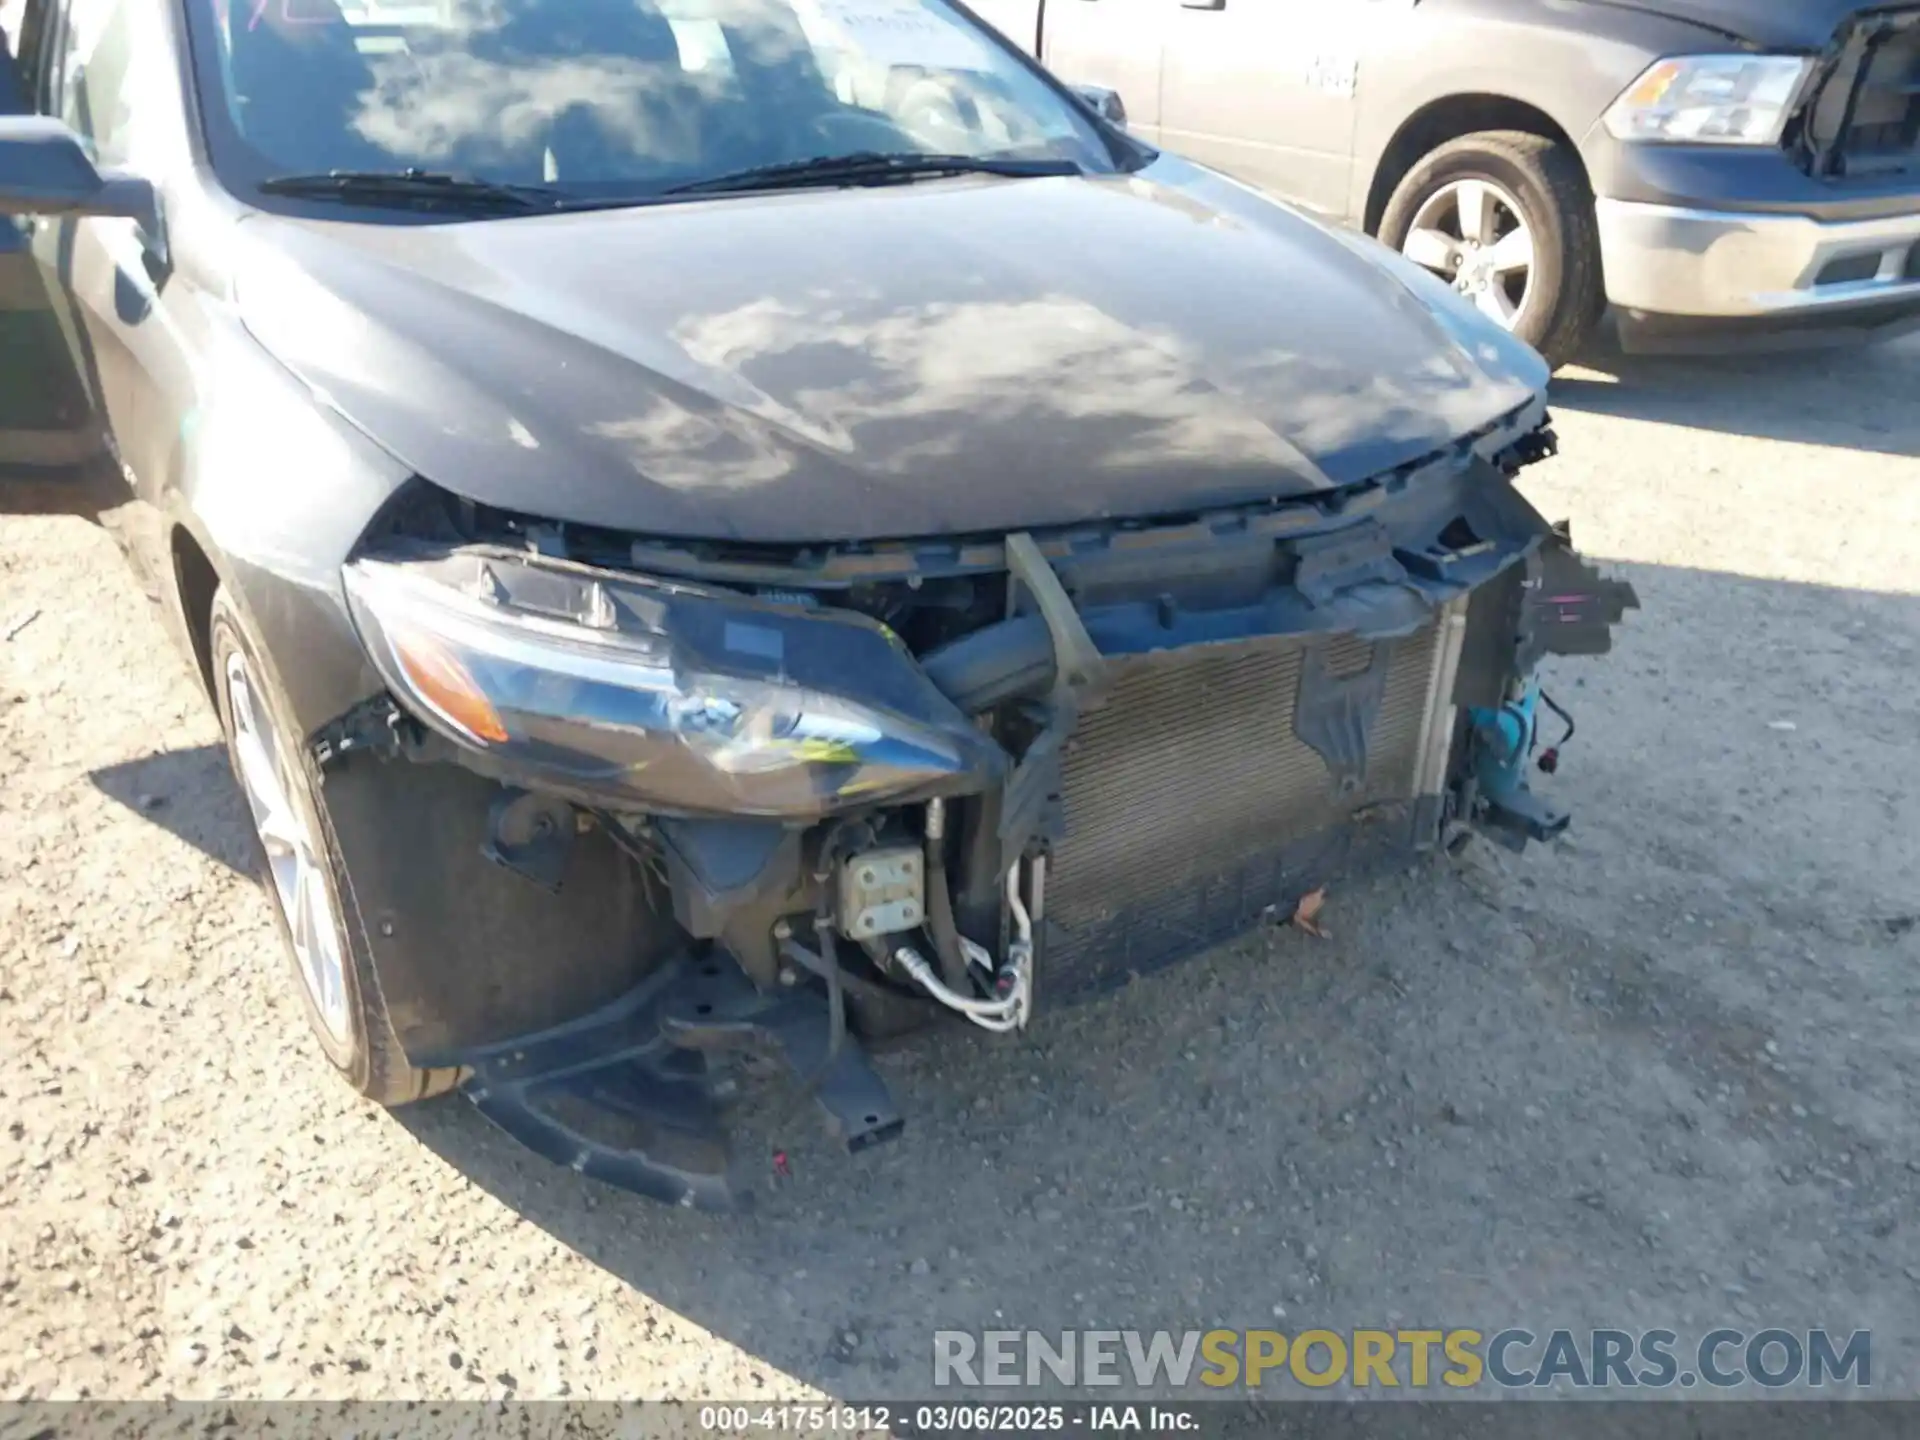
<point x="1103" y="102"/>
<point x="45" y="170"/>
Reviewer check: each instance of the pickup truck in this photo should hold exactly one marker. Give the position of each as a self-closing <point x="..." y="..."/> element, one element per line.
<point x="1725" y="172"/>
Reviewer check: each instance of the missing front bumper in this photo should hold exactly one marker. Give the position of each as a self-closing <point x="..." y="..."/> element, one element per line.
<point x="1206" y="723"/>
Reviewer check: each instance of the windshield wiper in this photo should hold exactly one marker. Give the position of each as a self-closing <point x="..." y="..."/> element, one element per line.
<point x="869" y="167"/>
<point x="415" y="187"/>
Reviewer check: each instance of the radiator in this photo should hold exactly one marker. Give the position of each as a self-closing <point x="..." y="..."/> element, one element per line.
<point x="1192" y="804"/>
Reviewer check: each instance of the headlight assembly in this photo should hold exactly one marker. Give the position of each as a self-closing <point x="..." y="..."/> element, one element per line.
<point x="1711" y="100"/>
<point x="615" y="689"/>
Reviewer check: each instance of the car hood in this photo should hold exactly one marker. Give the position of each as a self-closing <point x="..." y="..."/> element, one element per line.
<point x="971" y="356"/>
<point x="1774" y="24"/>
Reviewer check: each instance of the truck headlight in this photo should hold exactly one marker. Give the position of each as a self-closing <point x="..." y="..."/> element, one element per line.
<point x="615" y="689"/>
<point x="1711" y="100"/>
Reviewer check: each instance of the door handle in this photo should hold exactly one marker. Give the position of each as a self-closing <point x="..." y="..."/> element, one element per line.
<point x="1203" y="4"/>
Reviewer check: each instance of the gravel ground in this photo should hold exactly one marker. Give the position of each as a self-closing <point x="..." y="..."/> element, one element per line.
<point x="1663" y="1073"/>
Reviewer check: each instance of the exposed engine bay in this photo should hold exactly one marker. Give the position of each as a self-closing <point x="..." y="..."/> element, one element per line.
<point x="878" y="785"/>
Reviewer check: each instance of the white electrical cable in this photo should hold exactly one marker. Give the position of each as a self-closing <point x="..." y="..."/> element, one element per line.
<point x="1020" y="954"/>
<point x="1001" y="1015"/>
<point x="1014" y="1015"/>
<point x="1022" y="922"/>
<point x="915" y="964"/>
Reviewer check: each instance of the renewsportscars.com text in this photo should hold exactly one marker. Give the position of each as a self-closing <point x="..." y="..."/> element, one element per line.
<point x="1515" y="1358"/>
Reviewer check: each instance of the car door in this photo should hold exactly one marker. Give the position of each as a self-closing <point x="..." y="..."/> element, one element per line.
<point x="102" y="57"/>
<point x="1265" y="90"/>
<point x="46" y="416"/>
<point x="1115" y="43"/>
<point x="108" y="74"/>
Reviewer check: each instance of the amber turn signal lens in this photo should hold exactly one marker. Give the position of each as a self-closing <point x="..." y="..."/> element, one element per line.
<point x="444" y="683"/>
<point x="1652" y="87"/>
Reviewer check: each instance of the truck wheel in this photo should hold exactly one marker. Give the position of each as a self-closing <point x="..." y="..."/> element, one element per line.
<point x="307" y="887"/>
<point x="1506" y="218"/>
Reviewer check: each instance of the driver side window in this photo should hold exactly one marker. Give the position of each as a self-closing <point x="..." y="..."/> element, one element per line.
<point x="91" y="75"/>
<point x="26" y="23"/>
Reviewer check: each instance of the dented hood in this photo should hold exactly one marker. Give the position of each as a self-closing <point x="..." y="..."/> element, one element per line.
<point x="964" y="356"/>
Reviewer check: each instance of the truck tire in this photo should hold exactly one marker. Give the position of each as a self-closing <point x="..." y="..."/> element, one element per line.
<point x="1499" y="184"/>
<point x="308" y="888"/>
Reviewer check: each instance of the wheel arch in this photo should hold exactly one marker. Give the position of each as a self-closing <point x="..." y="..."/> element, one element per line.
<point x="1449" y="118"/>
<point x="195" y="580"/>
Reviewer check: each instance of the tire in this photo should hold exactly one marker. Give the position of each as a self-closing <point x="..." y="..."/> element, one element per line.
<point x="1567" y="288"/>
<point x="351" y="1026"/>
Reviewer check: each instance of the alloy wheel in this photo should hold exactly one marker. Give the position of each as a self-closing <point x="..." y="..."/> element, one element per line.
<point x="1474" y="235"/>
<point x="300" y="883"/>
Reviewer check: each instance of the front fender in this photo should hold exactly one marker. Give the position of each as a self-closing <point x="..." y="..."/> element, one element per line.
<point x="275" y="490"/>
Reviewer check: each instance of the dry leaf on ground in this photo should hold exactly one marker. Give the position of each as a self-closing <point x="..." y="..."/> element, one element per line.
<point x="1306" y="915"/>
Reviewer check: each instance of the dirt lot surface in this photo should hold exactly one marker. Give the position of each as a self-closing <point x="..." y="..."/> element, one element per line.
<point x="1664" y="1073"/>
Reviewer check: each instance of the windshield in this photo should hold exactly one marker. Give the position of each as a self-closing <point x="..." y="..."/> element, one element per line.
<point x="613" y="98"/>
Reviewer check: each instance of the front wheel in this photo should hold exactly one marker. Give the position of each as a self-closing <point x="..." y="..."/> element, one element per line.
<point x="306" y="885"/>
<point x="1507" y="219"/>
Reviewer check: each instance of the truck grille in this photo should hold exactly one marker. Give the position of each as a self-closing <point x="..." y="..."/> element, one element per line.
<point x="1192" y="805"/>
<point x="1866" y="118"/>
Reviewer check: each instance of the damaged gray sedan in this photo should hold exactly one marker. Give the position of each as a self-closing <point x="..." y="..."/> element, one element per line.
<point x="769" y="523"/>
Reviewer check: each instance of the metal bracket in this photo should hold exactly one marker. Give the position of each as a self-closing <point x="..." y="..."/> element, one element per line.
<point x="1078" y="664"/>
<point x="722" y="1010"/>
<point x="376" y="726"/>
<point x="1080" y="675"/>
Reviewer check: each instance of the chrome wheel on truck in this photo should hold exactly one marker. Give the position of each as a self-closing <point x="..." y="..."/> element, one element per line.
<point x="1474" y="235"/>
<point x="1507" y="219"/>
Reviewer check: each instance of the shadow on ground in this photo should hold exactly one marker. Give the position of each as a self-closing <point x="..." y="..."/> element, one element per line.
<point x="190" y="794"/>
<point x="1855" y="399"/>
